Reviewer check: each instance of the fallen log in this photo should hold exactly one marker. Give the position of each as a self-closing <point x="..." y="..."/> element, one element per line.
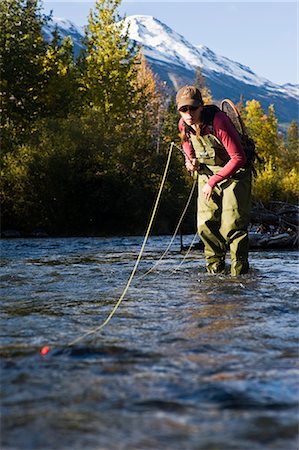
<point x="274" y="227"/>
<point x="272" y="241"/>
<point x="278" y="214"/>
<point x="260" y="241"/>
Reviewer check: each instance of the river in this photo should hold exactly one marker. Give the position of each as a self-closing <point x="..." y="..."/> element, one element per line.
<point x="189" y="361"/>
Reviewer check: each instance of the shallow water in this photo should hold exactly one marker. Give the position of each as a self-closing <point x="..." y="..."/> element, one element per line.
<point x="188" y="362"/>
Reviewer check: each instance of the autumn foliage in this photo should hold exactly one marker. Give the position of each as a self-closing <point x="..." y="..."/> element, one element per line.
<point x="84" y="140"/>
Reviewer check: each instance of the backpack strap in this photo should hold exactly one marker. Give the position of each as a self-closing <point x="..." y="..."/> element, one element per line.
<point x="208" y="114"/>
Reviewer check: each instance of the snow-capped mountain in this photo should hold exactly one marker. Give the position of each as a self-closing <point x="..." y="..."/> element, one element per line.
<point x="65" y="28"/>
<point x="175" y="60"/>
<point x="164" y="44"/>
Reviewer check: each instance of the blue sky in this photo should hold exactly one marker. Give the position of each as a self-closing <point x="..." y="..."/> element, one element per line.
<point x="262" y="35"/>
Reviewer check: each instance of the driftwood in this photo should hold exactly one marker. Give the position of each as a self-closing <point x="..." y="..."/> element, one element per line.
<point x="272" y="241"/>
<point x="274" y="227"/>
<point x="278" y="214"/>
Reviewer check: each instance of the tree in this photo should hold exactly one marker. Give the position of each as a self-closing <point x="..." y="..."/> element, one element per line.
<point x="278" y="178"/>
<point x="290" y="162"/>
<point x="110" y="63"/>
<point x="293" y="137"/>
<point x="292" y="144"/>
<point x="21" y="72"/>
<point x="200" y="83"/>
<point x="262" y="128"/>
<point x="274" y="141"/>
<point x="61" y="88"/>
<point x="151" y="105"/>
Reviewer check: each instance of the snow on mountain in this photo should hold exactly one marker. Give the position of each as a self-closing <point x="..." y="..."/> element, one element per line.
<point x="290" y="88"/>
<point x="175" y="60"/>
<point x="162" y="43"/>
<point x="65" y="28"/>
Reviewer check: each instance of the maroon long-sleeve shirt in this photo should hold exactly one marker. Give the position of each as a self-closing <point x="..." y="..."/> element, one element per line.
<point x="225" y="131"/>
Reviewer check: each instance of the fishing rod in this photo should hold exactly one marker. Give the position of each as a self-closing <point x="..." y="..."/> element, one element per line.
<point x="183" y="152"/>
<point x="193" y="174"/>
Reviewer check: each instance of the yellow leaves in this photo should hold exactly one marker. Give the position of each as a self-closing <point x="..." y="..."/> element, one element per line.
<point x="274" y="180"/>
<point x="263" y="128"/>
<point x="275" y="183"/>
<point x="267" y="183"/>
<point x="15" y="165"/>
<point x="290" y="185"/>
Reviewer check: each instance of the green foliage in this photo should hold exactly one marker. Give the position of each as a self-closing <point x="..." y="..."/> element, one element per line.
<point x="278" y="177"/>
<point x="200" y="83"/>
<point x="263" y="129"/>
<point x="170" y="130"/>
<point x="290" y="186"/>
<point x="267" y="184"/>
<point x="180" y="180"/>
<point x="292" y="146"/>
<point x="109" y="66"/>
<point x="275" y="183"/>
<point x="21" y="72"/>
<point x="64" y="183"/>
<point x="84" y="142"/>
<point x="59" y="71"/>
<point x="15" y="186"/>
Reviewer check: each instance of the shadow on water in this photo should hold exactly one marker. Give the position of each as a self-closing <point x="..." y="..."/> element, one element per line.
<point x="189" y="361"/>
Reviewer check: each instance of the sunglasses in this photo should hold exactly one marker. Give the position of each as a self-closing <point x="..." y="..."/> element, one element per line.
<point x="188" y="108"/>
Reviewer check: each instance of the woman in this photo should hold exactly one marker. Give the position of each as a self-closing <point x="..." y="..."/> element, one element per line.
<point x="212" y="147"/>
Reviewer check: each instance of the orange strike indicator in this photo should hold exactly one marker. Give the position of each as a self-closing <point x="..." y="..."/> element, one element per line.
<point x="44" y="350"/>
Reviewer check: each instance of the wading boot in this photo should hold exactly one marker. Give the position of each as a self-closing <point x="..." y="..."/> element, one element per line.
<point x="217" y="266"/>
<point x="239" y="267"/>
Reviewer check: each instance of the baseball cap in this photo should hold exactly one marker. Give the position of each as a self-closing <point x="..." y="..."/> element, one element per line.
<point x="188" y="96"/>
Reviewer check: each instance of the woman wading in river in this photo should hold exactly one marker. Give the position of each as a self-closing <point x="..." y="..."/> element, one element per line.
<point x="212" y="147"/>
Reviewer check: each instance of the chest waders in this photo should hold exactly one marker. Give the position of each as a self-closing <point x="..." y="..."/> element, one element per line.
<point x="223" y="220"/>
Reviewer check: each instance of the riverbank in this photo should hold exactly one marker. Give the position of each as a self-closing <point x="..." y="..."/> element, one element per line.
<point x="257" y="241"/>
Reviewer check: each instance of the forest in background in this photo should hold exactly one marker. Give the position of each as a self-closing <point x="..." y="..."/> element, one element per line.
<point x="84" y="141"/>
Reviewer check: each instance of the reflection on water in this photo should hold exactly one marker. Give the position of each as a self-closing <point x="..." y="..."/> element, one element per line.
<point x="189" y="361"/>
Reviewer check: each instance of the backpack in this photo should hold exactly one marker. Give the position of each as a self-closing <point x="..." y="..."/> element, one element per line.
<point x="229" y="108"/>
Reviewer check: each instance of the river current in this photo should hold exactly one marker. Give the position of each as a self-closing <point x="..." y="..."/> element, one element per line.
<point x="189" y="361"/>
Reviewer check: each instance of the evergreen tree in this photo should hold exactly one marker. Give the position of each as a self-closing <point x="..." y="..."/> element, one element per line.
<point x="21" y="71"/>
<point x="60" y="93"/>
<point x="110" y="64"/>
<point x="290" y="164"/>
<point x="151" y="105"/>
<point x="200" y="83"/>
<point x="170" y="131"/>
<point x="274" y="141"/>
<point x="292" y="144"/>
<point x="240" y="105"/>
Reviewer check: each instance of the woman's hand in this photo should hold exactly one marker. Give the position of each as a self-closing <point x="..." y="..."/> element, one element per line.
<point x="191" y="165"/>
<point x="207" y="191"/>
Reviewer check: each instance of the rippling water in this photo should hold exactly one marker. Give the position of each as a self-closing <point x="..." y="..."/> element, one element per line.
<point x="188" y="362"/>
